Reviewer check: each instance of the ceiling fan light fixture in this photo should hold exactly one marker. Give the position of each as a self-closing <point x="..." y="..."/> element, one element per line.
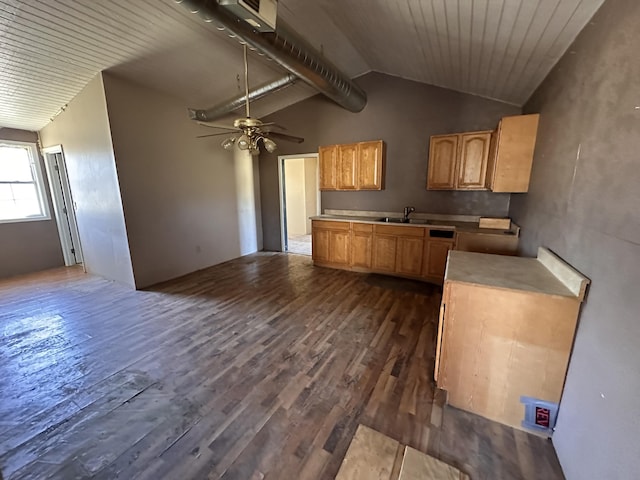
<point x="228" y="143"/>
<point x="244" y="142"/>
<point x="269" y="145"/>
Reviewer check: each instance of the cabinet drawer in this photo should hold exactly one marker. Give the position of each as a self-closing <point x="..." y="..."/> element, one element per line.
<point x="400" y="231"/>
<point x="330" y="225"/>
<point x="362" y="227"/>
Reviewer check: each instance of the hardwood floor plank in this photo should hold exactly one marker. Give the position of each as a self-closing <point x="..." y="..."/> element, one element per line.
<point x="262" y="367"/>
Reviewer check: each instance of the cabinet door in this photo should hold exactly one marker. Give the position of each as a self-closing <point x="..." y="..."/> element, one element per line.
<point x="493" y="153"/>
<point x="443" y="154"/>
<point x="320" y="245"/>
<point x="328" y="167"/>
<point x="409" y="255"/>
<point x="384" y="253"/>
<point x="474" y="154"/>
<point x="347" y="163"/>
<point x="370" y="159"/>
<point x="436" y="258"/>
<point x="361" y="245"/>
<point x="339" y="247"/>
<point x="516" y="141"/>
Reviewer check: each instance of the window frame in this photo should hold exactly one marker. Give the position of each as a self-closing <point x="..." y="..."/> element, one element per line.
<point x="41" y="187"/>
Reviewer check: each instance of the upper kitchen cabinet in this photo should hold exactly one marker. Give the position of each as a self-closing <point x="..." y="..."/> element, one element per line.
<point x="347" y="167"/>
<point x="474" y="156"/>
<point x="510" y="163"/>
<point x="370" y="155"/>
<point x="328" y="159"/>
<point x="496" y="160"/>
<point x="443" y="157"/>
<point x="354" y="166"/>
<point x="458" y="161"/>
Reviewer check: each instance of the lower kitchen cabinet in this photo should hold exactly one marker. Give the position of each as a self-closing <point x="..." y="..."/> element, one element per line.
<point x="385" y="248"/>
<point x="435" y="258"/>
<point x="398" y="249"/>
<point x="405" y="251"/>
<point x="361" y="245"/>
<point x="409" y="255"/>
<point x="331" y="243"/>
<point x="495" y="243"/>
<point x="320" y="244"/>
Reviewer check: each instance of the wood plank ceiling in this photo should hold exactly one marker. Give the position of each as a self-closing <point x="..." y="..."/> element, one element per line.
<point x="50" y="49"/>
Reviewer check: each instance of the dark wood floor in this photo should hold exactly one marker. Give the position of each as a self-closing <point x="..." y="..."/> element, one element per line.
<point x="261" y="367"/>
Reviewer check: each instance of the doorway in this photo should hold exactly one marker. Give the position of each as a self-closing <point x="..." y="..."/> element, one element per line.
<point x="63" y="205"/>
<point x="299" y="200"/>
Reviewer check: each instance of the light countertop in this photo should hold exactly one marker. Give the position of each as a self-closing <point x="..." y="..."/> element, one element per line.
<point x="515" y="273"/>
<point x="459" y="223"/>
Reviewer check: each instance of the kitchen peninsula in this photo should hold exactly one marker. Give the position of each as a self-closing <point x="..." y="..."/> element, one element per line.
<point x="505" y="334"/>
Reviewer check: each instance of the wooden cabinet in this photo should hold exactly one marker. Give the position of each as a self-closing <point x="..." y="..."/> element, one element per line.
<point x="436" y="248"/>
<point x="409" y="254"/>
<point x="331" y="243"/>
<point x="328" y="162"/>
<point x="496" y="243"/>
<point x="361" y="245"/>
<point x="435" y="261"/>
<point x="511" y="156"/>
<point x="385" y="248"/>
<point x="370" y="165"/>
<point x="498" y="160"/>
<point x="507" y="322"/>
<point x="459" y="161"/>
<point x="443" y="157"/>
<point x="347" y="167"/>
<point x="398" y="250"/>
<point x="355" y="166"/>
<point x="320" y="247"/>
<point x="472" y="166"/>
<point x="418" y="252"/>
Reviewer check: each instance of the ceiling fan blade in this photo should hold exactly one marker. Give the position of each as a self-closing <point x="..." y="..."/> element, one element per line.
<point x="217" y="125"/>
<point x="284" y="136"/>
<point x="272" y="125"/>
<point x="213" y="134"/>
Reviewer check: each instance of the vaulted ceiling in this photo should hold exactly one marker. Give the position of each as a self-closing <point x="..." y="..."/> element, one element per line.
<point x="502" y="49"/>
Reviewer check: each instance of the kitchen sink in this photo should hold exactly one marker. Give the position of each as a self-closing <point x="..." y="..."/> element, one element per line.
<point x="393" y="220"/>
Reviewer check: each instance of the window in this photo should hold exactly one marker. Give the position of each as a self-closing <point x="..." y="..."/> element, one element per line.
<point x="22" y="196"/>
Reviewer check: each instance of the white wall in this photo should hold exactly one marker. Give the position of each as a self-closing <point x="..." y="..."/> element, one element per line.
<point x="294" y="189"/>
<point x="247" y="194"/>
<point x="310" y="190"/>
<point x="187" y="202"/>
<point x="301" y="193"/>
<point x="83" y="131"/>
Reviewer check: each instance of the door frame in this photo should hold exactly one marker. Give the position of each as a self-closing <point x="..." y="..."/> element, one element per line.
<point x="69" y="238"/>
<point x="281" y="193"/>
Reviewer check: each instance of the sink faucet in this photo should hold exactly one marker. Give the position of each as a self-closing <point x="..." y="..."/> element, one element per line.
<point x="407" y="211"/>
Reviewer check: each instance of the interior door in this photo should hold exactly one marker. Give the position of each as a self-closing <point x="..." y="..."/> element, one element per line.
<point x="64" y="207"/>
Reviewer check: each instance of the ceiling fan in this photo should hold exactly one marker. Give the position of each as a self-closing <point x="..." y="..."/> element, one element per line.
<point x="249" y="132"/>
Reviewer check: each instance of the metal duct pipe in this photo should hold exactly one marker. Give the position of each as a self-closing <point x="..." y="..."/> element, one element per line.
<point x="290" y="51"/>
<point x="217" y="111"/>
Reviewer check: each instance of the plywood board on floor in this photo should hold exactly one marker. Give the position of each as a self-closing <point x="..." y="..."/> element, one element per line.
<point x="420" y="466"/>
<point x="371" y="455"/>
